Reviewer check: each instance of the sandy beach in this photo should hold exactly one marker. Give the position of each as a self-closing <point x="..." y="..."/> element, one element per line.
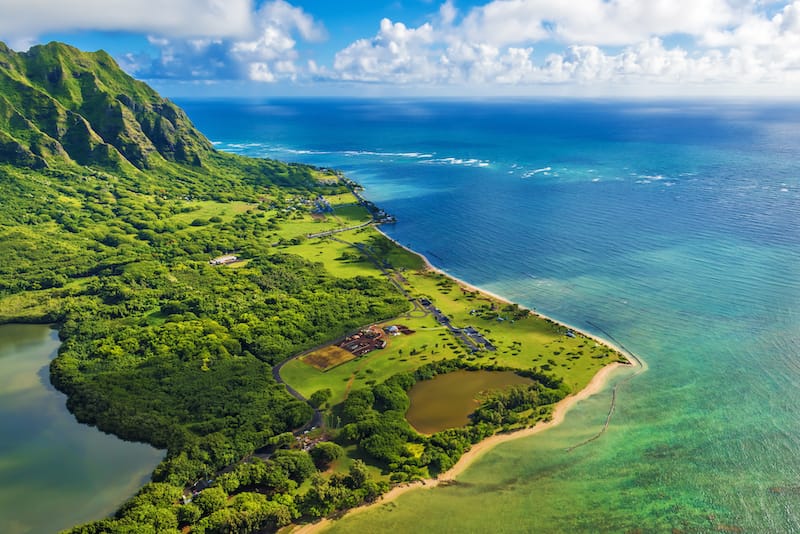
<point x="632" y="358"/>
<point x="559" y="412"/>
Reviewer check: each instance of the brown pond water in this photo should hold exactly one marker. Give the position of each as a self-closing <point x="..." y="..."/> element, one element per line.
<point x="447" y="400"/>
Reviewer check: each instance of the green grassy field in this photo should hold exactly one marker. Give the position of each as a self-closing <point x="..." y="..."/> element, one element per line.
<point x="338" y="258"/>
<point x="378" y="365"/>
<point x="522" y="340"/>
<point x="205" y="209"/>
<point x="350" y="214"/>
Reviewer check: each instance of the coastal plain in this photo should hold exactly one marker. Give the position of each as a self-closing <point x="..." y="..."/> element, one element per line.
<point x="523" y="340"/>
<point x="198" y="294"/>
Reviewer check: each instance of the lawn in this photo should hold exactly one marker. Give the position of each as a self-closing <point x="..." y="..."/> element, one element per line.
<point x="338" y="258"/>
<point x="351" y="214"/>
<point x="378" y="365"/>
<point x="302" y="224"/>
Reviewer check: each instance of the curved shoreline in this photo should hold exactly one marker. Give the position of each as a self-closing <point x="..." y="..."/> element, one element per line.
<point x="631" y="357"/>
<point x="595" y="385"/>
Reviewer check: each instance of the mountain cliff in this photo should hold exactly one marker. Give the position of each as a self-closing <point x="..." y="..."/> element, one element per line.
<point x="58" y="104"/>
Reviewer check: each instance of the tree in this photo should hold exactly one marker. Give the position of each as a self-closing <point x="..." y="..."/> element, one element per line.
<point x="320" y="397"/>
<point x="210" y="500"/>
<point x="282" y="441"/>
<point x="358" y="474"/>
<point x="297" y="464"/>
<point x="325" y="453"/>
<point x="188" y="514"/>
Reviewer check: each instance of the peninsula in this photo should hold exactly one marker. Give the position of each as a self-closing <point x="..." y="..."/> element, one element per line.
<point x="246" y="315"/>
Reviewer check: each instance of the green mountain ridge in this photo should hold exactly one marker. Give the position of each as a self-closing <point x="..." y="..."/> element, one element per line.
<point x="58" y="104"/>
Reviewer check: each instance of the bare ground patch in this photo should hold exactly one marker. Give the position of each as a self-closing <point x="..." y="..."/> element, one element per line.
<point x="327" y="358"/>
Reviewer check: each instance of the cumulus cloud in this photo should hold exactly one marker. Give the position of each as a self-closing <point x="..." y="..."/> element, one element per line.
<point x="265" y="53"/>
<point x="396" y="53"/>
<point x="772" y="44"/>
<point x="595" y="22"/>
<point x="604" y="42"/>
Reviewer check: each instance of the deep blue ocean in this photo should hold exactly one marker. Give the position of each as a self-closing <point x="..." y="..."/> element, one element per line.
<point x="673" y="227"/>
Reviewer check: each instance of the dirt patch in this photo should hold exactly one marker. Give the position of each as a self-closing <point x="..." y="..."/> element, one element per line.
<point x="327" y="358"/>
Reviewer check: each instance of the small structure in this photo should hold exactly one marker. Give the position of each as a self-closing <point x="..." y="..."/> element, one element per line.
<point x="392" y="330"/>
<point x="478" y="338"/>
<point x="364" y="342"/>
<point x="224" y="260"/>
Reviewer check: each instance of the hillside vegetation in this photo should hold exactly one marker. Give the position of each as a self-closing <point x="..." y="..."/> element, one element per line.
<point x="114" y="206"/>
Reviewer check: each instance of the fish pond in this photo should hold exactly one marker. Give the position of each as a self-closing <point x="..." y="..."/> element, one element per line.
<point x="447" y="400"/>
<point x="54" y="471"/>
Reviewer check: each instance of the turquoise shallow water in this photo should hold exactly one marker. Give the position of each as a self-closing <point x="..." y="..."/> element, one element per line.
<point x="671" y="226"/>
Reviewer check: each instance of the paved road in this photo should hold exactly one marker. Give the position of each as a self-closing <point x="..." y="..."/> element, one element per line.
<point x="316" y="420"/>
<point x="457" y="332"/>
<point x="339" y="230"/>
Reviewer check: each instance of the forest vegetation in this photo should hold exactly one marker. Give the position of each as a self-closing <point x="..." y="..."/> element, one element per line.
<point x="114" y="205"/>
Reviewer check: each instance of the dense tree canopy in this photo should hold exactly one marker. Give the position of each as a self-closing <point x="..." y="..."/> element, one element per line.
<point x="113" y="205"/>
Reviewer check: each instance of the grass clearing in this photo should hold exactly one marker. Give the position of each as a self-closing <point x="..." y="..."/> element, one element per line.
<point x="30" y="306"/>
<point x="351" y="214"/>
<point x="341" y="200"/>
<point x="339" y="259"/>
<point x="206" y="209"/>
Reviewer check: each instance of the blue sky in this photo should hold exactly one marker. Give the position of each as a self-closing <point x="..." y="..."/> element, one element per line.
<point x="590" y="48"/>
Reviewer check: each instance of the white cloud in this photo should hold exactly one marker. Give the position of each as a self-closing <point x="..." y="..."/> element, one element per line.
<point x="772" y="45"/>
<point x="23" y="20"/>
<point x="275" y="23"/>
<point x="271" y="54"/>
<point x="595" y="22"/>
<point x="284" y="14"/>
<point x="396" y="54"/>
<point x="448" y="13"/>
<point x="265" y="53"/>
<point x="605" y="43"/>
<point x="260" y="72"/>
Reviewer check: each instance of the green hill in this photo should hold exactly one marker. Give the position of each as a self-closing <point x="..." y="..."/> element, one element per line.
<point x="59" y="103"/>
<point x="62" y="108"/>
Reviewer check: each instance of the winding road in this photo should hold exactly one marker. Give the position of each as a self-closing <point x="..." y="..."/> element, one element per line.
<point x="316" y="420"/>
